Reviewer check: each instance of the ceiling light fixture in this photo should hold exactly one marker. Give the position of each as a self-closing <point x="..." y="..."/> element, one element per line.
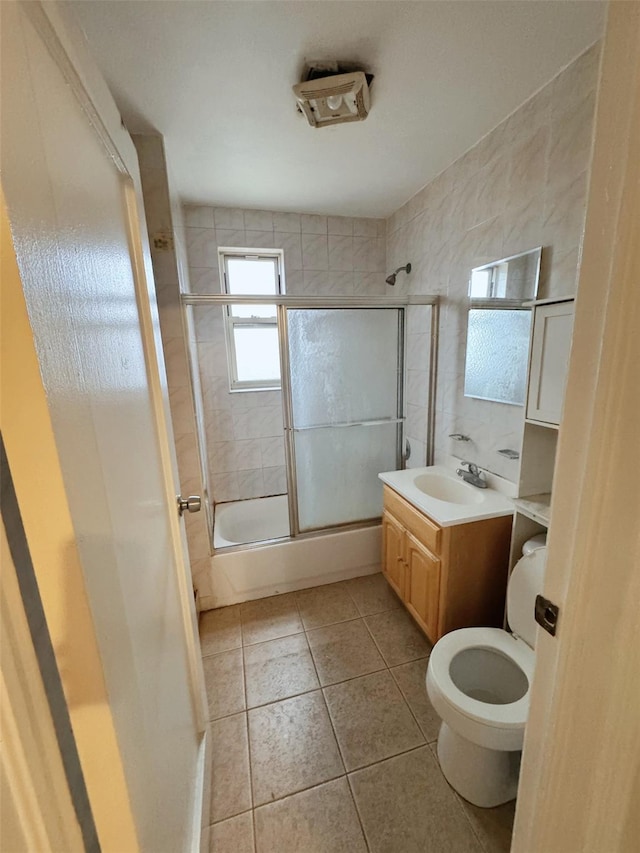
<point x="334" y="99"/>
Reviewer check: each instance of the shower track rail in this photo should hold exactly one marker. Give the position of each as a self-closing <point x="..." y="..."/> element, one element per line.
<point x="284" y="301"/>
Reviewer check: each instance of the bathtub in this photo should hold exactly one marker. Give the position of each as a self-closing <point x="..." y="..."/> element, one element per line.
<point x="243" y="522"/>
<point x="269" y="568"/>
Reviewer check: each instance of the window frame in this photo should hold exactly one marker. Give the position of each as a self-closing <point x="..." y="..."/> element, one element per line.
<point x="231" y="322"/>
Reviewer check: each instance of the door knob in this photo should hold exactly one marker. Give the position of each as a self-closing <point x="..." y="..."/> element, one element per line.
<point x="191" y="504"/>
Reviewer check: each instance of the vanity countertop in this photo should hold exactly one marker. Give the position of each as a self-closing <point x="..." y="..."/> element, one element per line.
<point x="458" y="502"/>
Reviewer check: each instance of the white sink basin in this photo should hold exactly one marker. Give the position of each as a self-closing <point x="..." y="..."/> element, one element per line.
<point x="444" y="488"/>
<point x="438" y="492"/>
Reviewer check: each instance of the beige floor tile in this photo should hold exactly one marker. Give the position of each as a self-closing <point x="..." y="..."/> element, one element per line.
<point x="205" y="835"/>
<point x="230" y="778"/>
<point x="411" y="679"/>
<point x="406" y="805"/>
<point x="372" y="594"/>
<point x="278" y="669"/>
<point x="232" y="836"/>
<point x="269" y="618"/>
<point x="494" y="827"/>
<point x="325" y="605"/>
<point x="344" y="651"/>
<point x="320" y="820"/>
<point x="292" y="747"/>
<point x="371" y="719"/>
<point x="398" y="637"/>
<point x="224" y="680"/>
<point x="220" y="630"/>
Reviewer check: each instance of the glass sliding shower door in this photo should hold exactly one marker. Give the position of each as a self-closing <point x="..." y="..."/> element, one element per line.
<point x="345" y="415"/>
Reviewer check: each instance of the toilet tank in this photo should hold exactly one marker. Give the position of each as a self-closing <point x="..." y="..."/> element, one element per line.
<point x="525" y="583"/>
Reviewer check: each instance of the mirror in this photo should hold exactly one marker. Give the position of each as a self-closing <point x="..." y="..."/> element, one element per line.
<point x="499" y="328"/>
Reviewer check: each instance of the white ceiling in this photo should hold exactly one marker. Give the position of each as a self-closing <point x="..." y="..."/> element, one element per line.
<point x="215" y="79"/>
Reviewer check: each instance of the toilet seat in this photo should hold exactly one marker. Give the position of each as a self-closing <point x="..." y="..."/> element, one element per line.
<point x="486" y="724"/>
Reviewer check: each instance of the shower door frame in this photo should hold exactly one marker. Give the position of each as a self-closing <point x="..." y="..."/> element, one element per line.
<point x="290" y="429"/>
<point x="283" y="302"/>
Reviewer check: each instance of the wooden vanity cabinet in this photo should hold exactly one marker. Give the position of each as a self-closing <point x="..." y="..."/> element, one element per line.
<point x="447" y="577"/>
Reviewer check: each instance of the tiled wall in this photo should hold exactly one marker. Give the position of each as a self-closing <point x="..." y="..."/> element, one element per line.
<point x="323" y="255"/>
<point x="164" y="219"/>
<point x="522" y="186"/>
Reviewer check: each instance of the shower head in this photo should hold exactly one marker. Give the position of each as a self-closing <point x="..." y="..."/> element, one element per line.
<point x="391" y="279"/>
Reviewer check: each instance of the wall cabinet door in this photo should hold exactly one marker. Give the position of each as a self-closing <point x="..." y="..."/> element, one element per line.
<point x="393" y="534"/>
<point x="422" y="585"/>
<point x="550" y="348"/>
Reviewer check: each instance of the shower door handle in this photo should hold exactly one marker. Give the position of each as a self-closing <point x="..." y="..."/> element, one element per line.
<point x="191" y="504"/>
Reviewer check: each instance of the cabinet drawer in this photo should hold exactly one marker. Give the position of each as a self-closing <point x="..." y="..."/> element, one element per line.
<point x="422" y="527"/>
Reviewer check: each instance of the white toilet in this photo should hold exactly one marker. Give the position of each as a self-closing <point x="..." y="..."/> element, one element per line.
<point x="478" y="680"/>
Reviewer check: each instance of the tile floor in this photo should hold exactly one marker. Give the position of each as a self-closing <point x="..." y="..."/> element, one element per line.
<point x="323" y="737"/>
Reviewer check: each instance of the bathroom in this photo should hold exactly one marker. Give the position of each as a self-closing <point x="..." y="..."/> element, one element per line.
<point x="520" y="186"/>
<point x="299" y="458"/>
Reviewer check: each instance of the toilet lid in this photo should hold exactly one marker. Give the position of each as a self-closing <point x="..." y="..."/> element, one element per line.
<point x="526" y="581"/>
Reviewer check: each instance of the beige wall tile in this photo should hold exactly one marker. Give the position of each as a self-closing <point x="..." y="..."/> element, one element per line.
<point x="522" y="185"/>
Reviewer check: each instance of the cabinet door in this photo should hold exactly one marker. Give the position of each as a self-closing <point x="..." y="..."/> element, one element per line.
<point x="393" y="534"/>
<point x="422" y="586"/>
<point x="550" y="347"/>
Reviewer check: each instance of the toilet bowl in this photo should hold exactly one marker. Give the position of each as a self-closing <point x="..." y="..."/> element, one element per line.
<point x="478" y="680"/>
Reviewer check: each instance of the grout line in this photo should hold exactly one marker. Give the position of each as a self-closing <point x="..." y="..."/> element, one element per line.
<point x="344" y="775"/>
<point x="430" y="745"/>
<point x="253" y="816"/>
<point x="397" y="683"/>
<point x="350" y="783"/>
<point x="388" y="758"/>
<point x="458" y="798"/>
<point x="272" y="639"/>
<point x="358" y="815"/>
<point x="474" y="832"/>
<point x="386" y="667"/>
<point x="221" y="652"/>
<point x="375" y="642"/>
<point x="326" y="707"/>
<point x="301" y="791"/>
<point x="230" y="817"/>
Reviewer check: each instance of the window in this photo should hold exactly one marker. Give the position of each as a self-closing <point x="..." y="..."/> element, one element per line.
<point x="252" y="330"/>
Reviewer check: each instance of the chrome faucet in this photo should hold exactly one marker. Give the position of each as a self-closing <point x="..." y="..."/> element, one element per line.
<point x="473" y="476"/>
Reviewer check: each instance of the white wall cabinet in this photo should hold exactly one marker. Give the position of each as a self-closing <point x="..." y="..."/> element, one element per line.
<point x="550" y="348"/>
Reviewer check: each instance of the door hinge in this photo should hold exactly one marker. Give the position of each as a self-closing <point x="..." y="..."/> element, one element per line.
<point x="546" y="613"/>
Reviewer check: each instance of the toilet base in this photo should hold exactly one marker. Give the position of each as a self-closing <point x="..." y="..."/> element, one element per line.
<point x="484" y="777"/>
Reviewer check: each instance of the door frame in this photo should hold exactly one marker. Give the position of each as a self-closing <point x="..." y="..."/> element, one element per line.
<point x="579" y="786"/>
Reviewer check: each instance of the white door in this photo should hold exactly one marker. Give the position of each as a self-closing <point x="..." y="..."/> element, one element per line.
<point x="70" y="179"/>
